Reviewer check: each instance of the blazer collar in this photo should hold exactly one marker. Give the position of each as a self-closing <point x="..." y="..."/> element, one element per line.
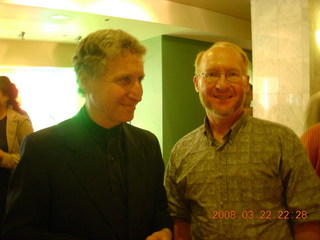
<point x="136" y="179"/>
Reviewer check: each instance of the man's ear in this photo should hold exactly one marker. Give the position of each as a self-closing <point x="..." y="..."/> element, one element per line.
<point x="195" y="81"/>
<point x="247" y="87"/>
<point x="84" y="81"/>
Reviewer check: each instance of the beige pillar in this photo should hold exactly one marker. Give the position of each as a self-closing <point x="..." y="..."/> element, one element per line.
<point x="286" y="59"/>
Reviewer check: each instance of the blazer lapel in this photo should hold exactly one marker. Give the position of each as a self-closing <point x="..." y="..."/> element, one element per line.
<point x="11" y="128"/>
<point x="88" y="166"/>
<point x="136" y="181"/>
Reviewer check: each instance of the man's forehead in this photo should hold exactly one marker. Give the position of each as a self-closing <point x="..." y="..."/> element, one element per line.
<point x="220" y="56"/>
<point x="126" y="54"/>
<point x="221" y="49"/>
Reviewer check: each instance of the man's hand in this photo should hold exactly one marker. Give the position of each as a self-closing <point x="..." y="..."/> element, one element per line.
<point x="164" y="234"/>
<point x="1" y="157"/>
<point x="307" y="231"/>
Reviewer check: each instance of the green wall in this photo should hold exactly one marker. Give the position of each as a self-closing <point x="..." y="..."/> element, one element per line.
<point x="182" y="111"/>
<point x="170" y="107"/>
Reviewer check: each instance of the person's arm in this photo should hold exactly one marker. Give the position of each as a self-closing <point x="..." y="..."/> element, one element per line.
<point x="181" y="230"/>
<point x="179" y="205"/>
<point x="24" y="128"/>
<point x="311" y="141"/>
<point x="10" y="160"/>
<point x="307" y="231"/>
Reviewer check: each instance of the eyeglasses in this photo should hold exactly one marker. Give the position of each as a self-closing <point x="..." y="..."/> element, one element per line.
<point x="231" y="76"/>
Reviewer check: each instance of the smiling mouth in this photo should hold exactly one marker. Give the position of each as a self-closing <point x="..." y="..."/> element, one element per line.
<point x="129" y="106"/>
<point x="222" y="97"/>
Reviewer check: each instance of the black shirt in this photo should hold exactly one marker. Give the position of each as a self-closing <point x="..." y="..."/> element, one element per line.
<point x="111" y="142"/>
<point x="3" y="134"/>
<point x="4" y="172"/>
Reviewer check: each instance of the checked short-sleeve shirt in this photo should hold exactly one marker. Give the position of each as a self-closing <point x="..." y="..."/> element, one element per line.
<point x="250" y="187"/>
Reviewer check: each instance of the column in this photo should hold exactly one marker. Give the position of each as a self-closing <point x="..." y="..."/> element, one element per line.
<point x="285" y="59"/>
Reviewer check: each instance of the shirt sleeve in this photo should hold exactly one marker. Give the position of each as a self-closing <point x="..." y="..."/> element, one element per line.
<point x="179" y="205"/>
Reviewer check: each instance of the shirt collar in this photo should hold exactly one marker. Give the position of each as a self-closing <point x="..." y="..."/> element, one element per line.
<point x="98" y="132"/>
<point x="231" y="134"/>
<point x="235" y="129"/>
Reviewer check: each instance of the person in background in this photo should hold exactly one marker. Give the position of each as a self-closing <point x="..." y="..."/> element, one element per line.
<point x="313" y="111"/>
<point x="236" y="176"/>
<point x="311" y="136"/>
<point x="93" y="176"/>
<point x="14" y="126"/>
<point x="247" y="105"/>
<point x="311" y="141"/>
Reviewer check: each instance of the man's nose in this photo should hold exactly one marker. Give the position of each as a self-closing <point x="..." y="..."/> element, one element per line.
<point x="136" y="91"/>
<point x="222" y="82"/>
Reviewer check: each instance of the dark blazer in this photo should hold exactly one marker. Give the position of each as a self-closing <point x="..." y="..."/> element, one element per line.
<point x="59" y="190"/>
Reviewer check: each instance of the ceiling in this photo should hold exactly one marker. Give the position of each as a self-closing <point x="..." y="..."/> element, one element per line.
<point x="235" y="8"/>
<point x="35" y="23"/>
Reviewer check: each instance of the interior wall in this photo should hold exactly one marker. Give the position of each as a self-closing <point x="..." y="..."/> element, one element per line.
<point x="182" y="111"/>
<point x="148" y="114"/>
<point x="36" y="53"/>
<point x="283" y="68"/>
<point x="314" y="49"/>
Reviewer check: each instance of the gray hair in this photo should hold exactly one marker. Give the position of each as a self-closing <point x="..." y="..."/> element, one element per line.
<point x="94" y="51"/>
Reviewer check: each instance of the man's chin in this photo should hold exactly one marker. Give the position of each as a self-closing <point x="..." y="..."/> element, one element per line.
<point x="222" y="115"/>
<point x="128" y="118"/>
<point x="219" y="113"/>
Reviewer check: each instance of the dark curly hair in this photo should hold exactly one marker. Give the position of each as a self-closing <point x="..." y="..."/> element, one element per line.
<point x="8" y="88"/>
